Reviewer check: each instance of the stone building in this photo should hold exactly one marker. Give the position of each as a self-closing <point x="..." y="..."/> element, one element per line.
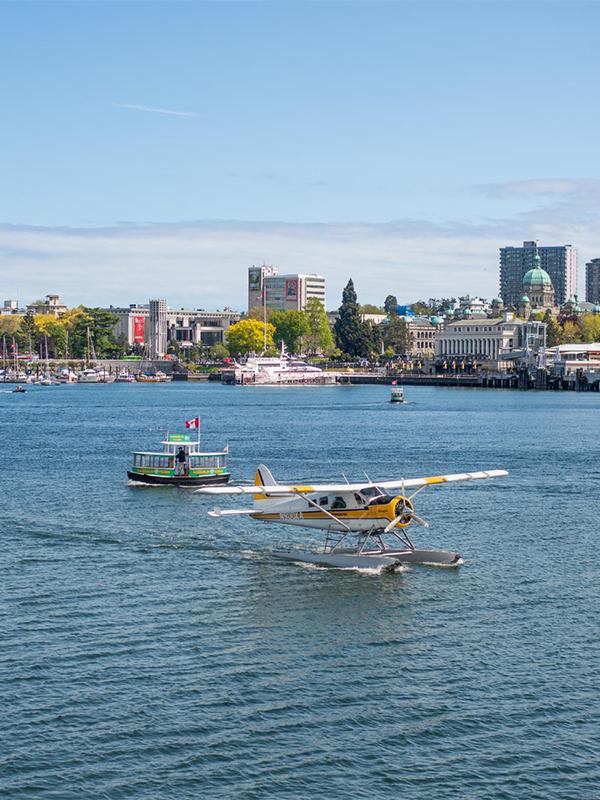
<point x="497" y="342"/>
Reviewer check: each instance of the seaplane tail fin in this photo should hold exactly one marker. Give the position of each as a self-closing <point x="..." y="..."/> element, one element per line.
<point x="264" y="477"/>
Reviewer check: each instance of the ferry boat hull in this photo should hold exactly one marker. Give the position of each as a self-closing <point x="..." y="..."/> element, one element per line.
<point x="179" y="480"/>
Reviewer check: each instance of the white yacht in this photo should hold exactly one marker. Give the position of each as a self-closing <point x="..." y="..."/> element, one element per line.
<point x="281" y="370"/>
<point x="88" y="376"/>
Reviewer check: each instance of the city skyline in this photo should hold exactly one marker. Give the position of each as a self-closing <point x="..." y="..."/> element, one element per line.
<point x="166" y="147"/>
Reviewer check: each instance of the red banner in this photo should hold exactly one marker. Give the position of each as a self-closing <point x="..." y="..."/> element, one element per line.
<point x="138" y="329"/>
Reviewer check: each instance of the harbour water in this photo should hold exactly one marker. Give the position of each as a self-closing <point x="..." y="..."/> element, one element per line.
<point x="151" y="652"/>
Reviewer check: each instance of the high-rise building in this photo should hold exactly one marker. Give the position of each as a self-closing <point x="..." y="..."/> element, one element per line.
<point x="559" y="262"/>
<point x="256" y="284"/>
<point x="592" y="281"/>
<point x="283" y="292"/>
<point x="157" y="328"/>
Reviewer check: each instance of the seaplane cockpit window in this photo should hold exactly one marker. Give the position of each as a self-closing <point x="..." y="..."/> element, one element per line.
<point x="370" y="491"/>
<point x="323" y="501"/>
<point x="360" y="500"/>
<point x="338" y="502"/>
<point x="380" y="500"/>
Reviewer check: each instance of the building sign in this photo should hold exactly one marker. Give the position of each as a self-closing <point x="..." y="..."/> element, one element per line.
<point x="291" y="290"/>
<point x="138" y="329"/>
<point x="254" y="279"/>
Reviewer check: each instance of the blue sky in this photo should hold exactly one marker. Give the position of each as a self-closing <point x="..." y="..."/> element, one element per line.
<point x="161" y="148"/>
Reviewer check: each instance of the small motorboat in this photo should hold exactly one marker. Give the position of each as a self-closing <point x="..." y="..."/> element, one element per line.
<point x="19" y="390"/>
<point x="397" y="395"/>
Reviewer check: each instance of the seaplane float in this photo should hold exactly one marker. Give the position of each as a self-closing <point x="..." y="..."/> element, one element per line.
<point x="365" y="524"/>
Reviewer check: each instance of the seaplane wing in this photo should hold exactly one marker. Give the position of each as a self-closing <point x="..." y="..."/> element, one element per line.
<point x="406" y="483"/>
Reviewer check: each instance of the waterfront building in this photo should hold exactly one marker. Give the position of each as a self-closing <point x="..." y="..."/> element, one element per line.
<point x="560" y="262"/>
<point x="423" y="331"/>
<point x="51" y="305"/>
<point x="289" y="292"/>
<point x="571" y="359"/>
<point x="187" y="327"/>
<point x="592" y="281"/>
<point x="157" y="328"/>
<point x="497" y="343"/>
<point x="11" y="307"/>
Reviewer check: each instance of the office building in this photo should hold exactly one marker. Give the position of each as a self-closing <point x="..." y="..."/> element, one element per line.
<point x="187" y="327"/>
<point x="256" y="284"/>
<point x="51" y="305"/>
<point x="559" y="262"/>
<point x="592" y="281"/>
<point x="289" y="292"/>
<point x="157" y="328"/>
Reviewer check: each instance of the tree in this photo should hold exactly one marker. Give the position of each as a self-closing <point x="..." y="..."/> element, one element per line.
<point x="218" y="351"/>
<point x="571" y="332"/>
<point x="391" y="304"/>
<point x="348" y="325"/>
<point x="397" y="335"/>
<point x="590" y="327"/>
<point x="290" y="327"/>
<point x="318" y="338"/>
<point x="369" y="308"/>
<point x="101" y="326"/>
<point x="248" y="335"/>
<point x="553" y="330"/>
<point x="422" y="308"/>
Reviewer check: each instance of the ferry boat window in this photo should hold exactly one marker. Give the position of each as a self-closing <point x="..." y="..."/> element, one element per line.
<point x="322" y="501"/>
<point x="338" y="502"/>
<point x="359" y="499"/>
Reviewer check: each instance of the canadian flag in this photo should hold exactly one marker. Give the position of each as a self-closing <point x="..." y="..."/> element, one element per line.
<point x="192" y="423"/>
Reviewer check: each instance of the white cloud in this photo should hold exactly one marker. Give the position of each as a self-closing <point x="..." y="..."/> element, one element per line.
<point x="150" y="109"/>
<point x="204" y="263"/>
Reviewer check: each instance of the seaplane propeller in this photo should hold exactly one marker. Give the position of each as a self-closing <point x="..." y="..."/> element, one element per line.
<point x="405" y="512"/>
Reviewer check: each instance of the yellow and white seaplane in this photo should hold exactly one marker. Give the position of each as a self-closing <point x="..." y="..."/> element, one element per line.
<point x="368" y="514"/>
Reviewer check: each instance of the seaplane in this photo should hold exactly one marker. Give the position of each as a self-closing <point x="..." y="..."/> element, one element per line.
<point x="365" y="524"/>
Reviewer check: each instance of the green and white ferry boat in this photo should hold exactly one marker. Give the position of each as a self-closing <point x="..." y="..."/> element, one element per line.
<point x="181" y="463"/>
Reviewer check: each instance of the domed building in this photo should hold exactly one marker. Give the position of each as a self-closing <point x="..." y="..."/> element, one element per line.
<point x="538" y="292"/>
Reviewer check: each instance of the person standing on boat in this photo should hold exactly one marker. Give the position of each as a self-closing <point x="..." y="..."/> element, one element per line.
<point x="181" y="461"/>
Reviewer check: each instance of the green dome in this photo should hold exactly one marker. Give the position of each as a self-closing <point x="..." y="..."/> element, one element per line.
<point x="536" y="276"/>
<point x="467" y="312"/>
<point x="525" y="299"/>
<point x="497" y="301"/>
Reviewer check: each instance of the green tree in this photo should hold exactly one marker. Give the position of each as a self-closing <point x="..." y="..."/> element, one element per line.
<point x="369" y="308"/>
<point x="218" y="351"/>
<point x="422" y="308"/>
<point x="571" y="333"/>
<point x="101" y="326"/>
<point x="590" y="327"/>
<point x="553" y="330"/>
<point x="352" y="335"/>
<point x="391" y="304"/>
<point x="318" y="338"/>
<point x="397" y="335"/>
<point x="290" y="327"/>
<point x="29" y="332"/>
<point x="247" y="336"/>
